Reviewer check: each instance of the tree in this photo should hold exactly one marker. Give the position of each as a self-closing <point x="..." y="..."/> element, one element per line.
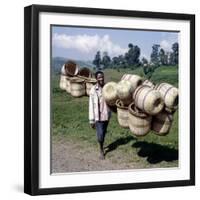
<point x="106" y="60"/>
<point x="155" y="54"/>
<point x="171" y="58"/>
<point x="167" y="56"/>
<point x="148" y="70"/>
<point x="115" y="60"/>
<point x="133" y="54"/>
<point x="175" y="48"/>
<point x="130" y="45"/>
<point x="162" y="57"/>
<point x="144" y="61"/>
<point x="122" y="61"/>
<point x="97" y="60"/>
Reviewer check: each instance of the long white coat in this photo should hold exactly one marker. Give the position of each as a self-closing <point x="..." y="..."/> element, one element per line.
<point x="94" y="108"/>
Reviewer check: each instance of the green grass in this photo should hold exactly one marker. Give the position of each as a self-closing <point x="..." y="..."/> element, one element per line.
<point x="70" y="120"/>
<point x="167" y="74"/>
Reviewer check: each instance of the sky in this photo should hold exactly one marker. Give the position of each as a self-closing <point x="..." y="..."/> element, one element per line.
<point x="81" y="43"/>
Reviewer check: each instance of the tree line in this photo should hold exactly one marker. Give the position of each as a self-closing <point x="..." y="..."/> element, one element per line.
<point x="131" y="58"/>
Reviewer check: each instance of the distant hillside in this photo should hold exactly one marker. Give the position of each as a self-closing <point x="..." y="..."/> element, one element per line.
<point x="57" y="63"/>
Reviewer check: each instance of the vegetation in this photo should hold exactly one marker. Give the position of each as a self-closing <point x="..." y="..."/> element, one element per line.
<point x="131" y="58"/>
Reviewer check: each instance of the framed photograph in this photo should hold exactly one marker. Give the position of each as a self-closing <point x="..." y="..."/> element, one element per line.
<point x="109" y="99"/>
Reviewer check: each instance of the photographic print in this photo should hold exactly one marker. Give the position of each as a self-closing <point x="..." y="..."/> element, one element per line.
<point x="109" y="100"/>
<point x="114" y="99"/>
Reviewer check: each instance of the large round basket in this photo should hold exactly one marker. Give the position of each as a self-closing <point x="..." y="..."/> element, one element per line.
<point x="68" y="85"/>
<point x="70" y="68"/>
<point x="139" y="122"/>
<point x="148" y="100"/>
<point x="63" y="72"/>
<point x="122" y="114"/>
<point x="125" y="91"/>
<point x="77" y="87"/>
<point x="134" y="79"/>
<point x="63" y="82"/>
<point x="148" y="83"/>
<point x="110" y="93"/>
<point x="85" y="72"/>
<point x="161" y="123"/>
<point x="170" y="95"/>
<point x="89" y="83"/>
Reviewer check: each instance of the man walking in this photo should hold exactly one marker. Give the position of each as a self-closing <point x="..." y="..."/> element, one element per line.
<point x="99" y="112"/>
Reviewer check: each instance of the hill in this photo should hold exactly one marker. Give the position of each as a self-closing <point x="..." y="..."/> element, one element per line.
<point x="57" y="63"/>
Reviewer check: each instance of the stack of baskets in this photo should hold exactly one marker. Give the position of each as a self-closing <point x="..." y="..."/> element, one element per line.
<point x="141" y="105"/>
<point x="76" y="81"/>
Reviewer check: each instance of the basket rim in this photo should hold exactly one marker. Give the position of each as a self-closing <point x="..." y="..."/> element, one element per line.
<point x="120" y="105"/>
<point x="77" y="68"/>
<point x="149" y="81"/>
<point x="132" y="110"/>
<point x="76" y="80"/>
<point x="90" y="80"/>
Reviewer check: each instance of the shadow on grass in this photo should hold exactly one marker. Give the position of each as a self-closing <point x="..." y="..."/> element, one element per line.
<point x="156" y="153"/>
<point x="121" y="141"/>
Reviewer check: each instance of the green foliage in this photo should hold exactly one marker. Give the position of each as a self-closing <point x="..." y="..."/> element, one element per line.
<point x="97" y="60"/>
<point x="155" y="54"/>
<point x="106" y="60"/>
<point x="174" y="54"/>
<point x="133" y="54"/>
<point x="144" y="61"/>
<point x="148" y="71"/>
<point x="163" y="57"/>
<point x="131" y="59"/>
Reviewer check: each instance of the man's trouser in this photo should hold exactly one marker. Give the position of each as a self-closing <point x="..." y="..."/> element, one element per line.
<point x="101" y="129"/>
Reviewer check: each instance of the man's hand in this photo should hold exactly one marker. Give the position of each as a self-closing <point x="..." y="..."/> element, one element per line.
<point x="92" y="125"/>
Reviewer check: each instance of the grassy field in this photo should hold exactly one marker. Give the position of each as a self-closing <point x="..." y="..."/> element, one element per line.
<point x="70" y="120"/>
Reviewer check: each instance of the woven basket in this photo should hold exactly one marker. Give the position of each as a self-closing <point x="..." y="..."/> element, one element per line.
<point x="170" y="95"/>
<point x="162" y="123"/>
<point x="68" y="85"/>
<point x="70" y="68"/>
<point x="148" y="100"/>
<point x="125" y="91"/>
<point x="63" y="72"/>
<point x="63" y="82"/>
<point x="122" y="114"/>
<point x="139" y="122"/>
<point x="89" y="83"/>
<point x="134" y="79"/>
<point x="85" y="72"/>
<point x="148" y="83"/>
<point x="110" y="93"/>
<point x="77" y="87"/>
<point x="170" y="110"/>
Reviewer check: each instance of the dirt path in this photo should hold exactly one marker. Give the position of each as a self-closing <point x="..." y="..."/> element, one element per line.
<point x="75" y="156"/>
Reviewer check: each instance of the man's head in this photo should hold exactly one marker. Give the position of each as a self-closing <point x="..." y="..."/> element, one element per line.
<point x="99" y="75"/>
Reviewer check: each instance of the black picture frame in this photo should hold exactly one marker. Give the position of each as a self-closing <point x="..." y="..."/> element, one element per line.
<point x="31" y="98"/>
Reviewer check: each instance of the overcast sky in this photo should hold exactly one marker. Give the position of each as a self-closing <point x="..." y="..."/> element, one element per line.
<point x="83" y="43"/>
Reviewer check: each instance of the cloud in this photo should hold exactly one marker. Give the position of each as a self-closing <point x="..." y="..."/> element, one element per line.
<point x="166" y="45"/>
<point x="88" y="43"/>
<point x="168" y="40"/>
<point x="143" y="55"/>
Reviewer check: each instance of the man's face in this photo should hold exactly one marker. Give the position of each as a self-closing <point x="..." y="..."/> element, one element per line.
<point x="100" y="79"/>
